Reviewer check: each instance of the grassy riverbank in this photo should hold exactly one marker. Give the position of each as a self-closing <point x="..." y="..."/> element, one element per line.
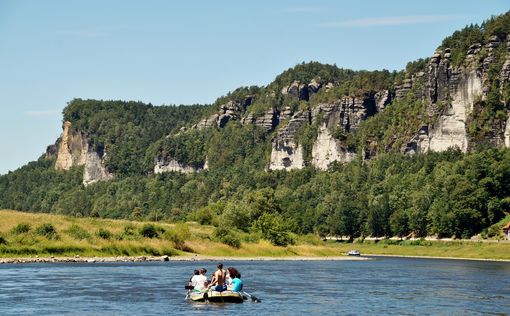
<point x="35" y="234"/>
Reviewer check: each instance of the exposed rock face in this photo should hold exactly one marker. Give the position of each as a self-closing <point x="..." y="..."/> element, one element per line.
<point x="268" y="121"/>
<point x="326" y="150"/>
<point x="450" y="94"/>
<point x="346" y="114"/>
<point x="450" y="129"/>
<point x="169" y="164"/>
<point x="94" y="169"/>
<point x="286" y="154"/>
<point x="349" y="112"/>
<point x="507" y="133"/>
<point x="211" y="121"/>
<point x="302" y="91"/>
<point x="73" y="150"/>
<point x="382" y="98"/>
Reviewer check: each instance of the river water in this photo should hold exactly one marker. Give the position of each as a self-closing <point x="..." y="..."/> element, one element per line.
<point x="384" y="286"/>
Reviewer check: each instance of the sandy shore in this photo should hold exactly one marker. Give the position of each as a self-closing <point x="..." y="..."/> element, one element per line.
<point x="78" y="259"/>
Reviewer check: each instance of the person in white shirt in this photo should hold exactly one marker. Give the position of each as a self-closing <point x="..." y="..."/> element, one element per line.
<point x="199" y="280"/>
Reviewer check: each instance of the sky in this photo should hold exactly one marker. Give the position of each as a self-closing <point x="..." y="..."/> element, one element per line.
<point x="187" y="52"/>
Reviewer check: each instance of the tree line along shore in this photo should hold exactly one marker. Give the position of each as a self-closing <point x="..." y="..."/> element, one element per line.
<point x="39" y="237"/>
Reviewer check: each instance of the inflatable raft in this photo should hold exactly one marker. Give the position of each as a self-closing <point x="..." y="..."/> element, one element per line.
<point x="216" y="297"/>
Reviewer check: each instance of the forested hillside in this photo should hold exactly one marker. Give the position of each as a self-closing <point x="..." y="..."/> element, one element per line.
<point x="321" y="149"/>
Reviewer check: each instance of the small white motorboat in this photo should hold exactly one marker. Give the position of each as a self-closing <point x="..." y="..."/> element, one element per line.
<point x="353" y="252"/>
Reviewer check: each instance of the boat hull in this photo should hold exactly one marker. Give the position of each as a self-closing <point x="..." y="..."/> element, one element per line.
<point x="216" y="297"/>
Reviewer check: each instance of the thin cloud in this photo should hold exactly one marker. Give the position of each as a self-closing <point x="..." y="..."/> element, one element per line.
<point x="44" y="113"/>
<point x="393" y="20"/>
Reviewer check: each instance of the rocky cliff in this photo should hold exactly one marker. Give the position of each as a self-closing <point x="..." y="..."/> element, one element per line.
<point x="315" y="114"/>
<point x="169" y="164"/>
<point x="73" y="149"/>
<point x="343" y="116"/>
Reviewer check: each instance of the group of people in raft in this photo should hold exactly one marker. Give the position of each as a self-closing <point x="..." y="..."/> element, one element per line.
<point x="221" y="280"/>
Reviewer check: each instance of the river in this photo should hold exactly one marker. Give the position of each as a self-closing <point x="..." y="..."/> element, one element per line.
<point x="383" y="286"/>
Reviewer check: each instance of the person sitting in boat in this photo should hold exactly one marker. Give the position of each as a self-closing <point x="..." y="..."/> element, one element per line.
<point x="195" y="273"/>
<point x="231" y="272"/>
<point x="237" y="283"/>
<point x="203" y="272"/>
<point x="218" y="281"/>
<point x="199" y="281"/>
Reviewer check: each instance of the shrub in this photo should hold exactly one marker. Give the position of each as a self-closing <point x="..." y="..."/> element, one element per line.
<point x="251" y="237"/>
<point x="3" y="241"/>
<point x="227" y="237"/>
<point x="128" y="233"/>
<point x="77" y="232"/>
<point x="149" y="231"/>
<point x="46" y="230"/>
<point x="104" y="233"/>
<point x="178" y="236"/>
<point x="273" y="227"/>
<point x="21" y="228"/>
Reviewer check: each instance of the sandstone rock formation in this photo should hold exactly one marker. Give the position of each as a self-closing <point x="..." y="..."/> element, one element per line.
<point x="345" y="114"/>
<point x="94" y="170"/>
<point x="507" y="133"/>
<point x="73" y="150"/>
<point x="162" y="165"/>
<point x="327" y="149"/>
<point x="286" y="153"/>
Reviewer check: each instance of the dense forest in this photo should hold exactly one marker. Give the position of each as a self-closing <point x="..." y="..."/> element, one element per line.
<point x="392" y="194"/>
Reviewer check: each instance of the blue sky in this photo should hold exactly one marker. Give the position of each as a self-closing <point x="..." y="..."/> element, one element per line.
<point x="185" y="52"/>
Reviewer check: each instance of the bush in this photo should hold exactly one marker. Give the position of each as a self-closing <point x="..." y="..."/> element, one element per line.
<point x="104" y="234"/>
<point x="273" y="227"/>
<point x="21" y="228"/>
<point x="3" y="241"/>
<point x="47" y="230"/>
<point x="149" y="231"/>
<point x="128" y="233"/>
<point x="178" y="236"/>
<point x="227" y="237"/>
<point x="77" y="232"/>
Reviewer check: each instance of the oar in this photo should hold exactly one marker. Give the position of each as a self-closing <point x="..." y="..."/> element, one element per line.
<point x="253" y="298"/>
<point x="189" y="288"/>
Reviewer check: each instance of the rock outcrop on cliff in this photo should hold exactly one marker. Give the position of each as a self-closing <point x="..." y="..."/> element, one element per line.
<point x="73" y="149"/>
<point x="345" y="114"/>
<point x="169" y="164"/>
<point x="287" y="154"/>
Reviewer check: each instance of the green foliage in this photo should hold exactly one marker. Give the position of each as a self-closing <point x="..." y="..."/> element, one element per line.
<point x="149" y="231"/>
<point x="178" y="236"/>
<point x="126" y="129"/>
<point x="227" y="236"/>
<point x="273" y="227"/>
<point x="78" y="232"/>
<point x="187" y="148"/>
<point x="104" y="234"/>
<point x="21" y="228"/>
<point x="47" y="231"/>
<point x="444" y="194"/>
<point x="3" y="241"/>
<point x="460" y="41"/>
<point x="129" y="233"/>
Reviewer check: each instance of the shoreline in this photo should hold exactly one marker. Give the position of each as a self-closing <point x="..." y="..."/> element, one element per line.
<point x="436" y="257"/>
<point x="78" y="259"/>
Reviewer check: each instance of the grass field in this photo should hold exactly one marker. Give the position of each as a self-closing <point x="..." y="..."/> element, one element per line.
<point x="29" y="234"/>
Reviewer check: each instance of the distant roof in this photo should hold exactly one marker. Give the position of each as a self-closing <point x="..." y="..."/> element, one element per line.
<point x="507" y="226"/>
